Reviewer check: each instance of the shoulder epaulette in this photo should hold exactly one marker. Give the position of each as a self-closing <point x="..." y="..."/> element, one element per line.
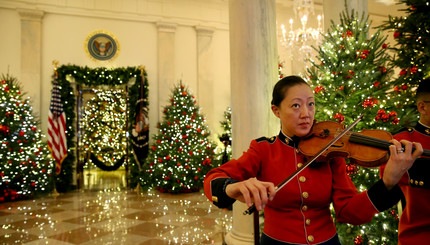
<point x="406" y="129"/>
<point x="270" y="140"/>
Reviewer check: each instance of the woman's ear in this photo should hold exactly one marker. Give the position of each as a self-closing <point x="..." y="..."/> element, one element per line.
<point x="275" y="110"/>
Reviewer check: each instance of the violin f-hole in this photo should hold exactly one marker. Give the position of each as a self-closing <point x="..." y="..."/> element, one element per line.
<point x="338" y="146"/>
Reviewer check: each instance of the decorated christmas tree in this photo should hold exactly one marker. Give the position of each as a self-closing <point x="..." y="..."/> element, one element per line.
<point x="104" y="124"/>
<point x="352" y="78"/>
<point x="25" y="166"/>
<point x="182" y="153"/>
<point x="225" y="138"/>
<point x="412" y="56"/>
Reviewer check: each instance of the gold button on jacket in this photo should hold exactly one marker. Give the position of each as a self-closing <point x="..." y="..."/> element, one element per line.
<point x="305" y="194"/>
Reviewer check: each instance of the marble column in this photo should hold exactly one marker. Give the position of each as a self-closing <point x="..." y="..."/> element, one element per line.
<point x="31" y="56"/>
<point x="166" y="64"/>
<point x="205" y="72"/>
<point x="333" y="8"/>
<point x="253" y="68"/>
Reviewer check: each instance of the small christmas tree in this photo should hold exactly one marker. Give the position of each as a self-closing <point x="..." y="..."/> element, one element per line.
<point x="412" y="49"/>
<point x="225" y="138"/>
<point x="182" y="153"/>
<point x="352" y="77"/>
<point x="25" y="167"/>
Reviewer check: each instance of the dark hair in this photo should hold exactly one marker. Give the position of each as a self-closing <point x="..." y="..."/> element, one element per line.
<point x="282" y="86"/>
<point x="423" y="88"/>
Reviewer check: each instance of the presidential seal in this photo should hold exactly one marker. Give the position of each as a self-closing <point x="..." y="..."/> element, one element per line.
<point x="101" y="46"/>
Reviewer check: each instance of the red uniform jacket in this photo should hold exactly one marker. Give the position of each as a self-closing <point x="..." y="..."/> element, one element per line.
<point x="300" y="212"/>
<point x="414" y="226"/>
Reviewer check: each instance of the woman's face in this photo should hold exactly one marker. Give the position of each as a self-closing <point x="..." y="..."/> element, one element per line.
<point x="296" y="111"/>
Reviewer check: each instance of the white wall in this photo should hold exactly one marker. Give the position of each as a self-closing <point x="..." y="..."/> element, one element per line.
<point x="66" y="25"/>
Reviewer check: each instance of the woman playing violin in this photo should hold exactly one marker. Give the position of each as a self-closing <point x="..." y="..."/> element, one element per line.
<point x="299" y="213"/>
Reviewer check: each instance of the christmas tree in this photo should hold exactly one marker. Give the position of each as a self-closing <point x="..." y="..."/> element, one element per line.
<point x="225" y="138"/>
<point x="182" y="153"/>
<point x="25" y="166"/>
<point x="352" y="78"/>
<point x="412" y="49"/>
<point x="104" y="125"/>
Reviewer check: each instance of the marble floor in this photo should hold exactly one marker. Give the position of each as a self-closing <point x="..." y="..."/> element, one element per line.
<point x="114" y="216"/>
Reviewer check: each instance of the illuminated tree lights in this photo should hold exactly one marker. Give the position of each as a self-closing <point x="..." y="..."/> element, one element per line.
<point x="25" y="166"/>
<point x="412" y="56"/>
<point x="104" y="124"/>
<point x="181" y="153"/>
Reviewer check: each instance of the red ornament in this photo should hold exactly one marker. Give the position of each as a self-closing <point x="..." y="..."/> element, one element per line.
<point x="385" y="118"/>
<point x="381" y="112"/>
<point x="184" y="93"/>
<point x="318" y="89"/>
<point x="340" y="118"/>
<point x="384" y="46"/>
<point x="414" y="69"/>
<point x="393" y="114"/>
<point x="397" y="89"/>
<point x="376" y="84"/>
<point x="351" y="169"/>
<point x="382" y="69"/>
<point x="396" y="121"/>
<point x="404" y="86"/>
<point x="403" y="72"/>
<point x="358" y="240"/>
<point x="396" y="34"/>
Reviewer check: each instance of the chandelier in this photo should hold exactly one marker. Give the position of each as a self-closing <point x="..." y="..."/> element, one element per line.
<point x="298" y="42"/>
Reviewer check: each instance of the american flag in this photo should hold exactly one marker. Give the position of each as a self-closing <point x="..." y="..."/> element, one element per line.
<point x="57" y="141"/>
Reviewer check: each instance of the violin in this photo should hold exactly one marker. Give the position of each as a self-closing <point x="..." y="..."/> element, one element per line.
<point x="368" y="148"/>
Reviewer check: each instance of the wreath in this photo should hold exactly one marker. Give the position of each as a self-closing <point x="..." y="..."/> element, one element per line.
<point x="103" y="166"/>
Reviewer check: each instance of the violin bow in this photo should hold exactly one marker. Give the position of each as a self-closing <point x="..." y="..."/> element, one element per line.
<point x="252" y="209"/>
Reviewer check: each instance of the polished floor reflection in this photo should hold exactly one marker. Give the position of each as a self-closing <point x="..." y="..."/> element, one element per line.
<point x="114" y="216"/>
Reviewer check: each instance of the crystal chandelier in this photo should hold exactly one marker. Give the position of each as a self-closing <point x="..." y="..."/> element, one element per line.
<point x="298" y="42"/>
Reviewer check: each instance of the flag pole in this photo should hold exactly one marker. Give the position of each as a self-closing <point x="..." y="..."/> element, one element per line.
<point x="55" y="192"/>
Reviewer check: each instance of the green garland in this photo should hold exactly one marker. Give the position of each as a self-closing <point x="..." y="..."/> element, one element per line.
<point x="92" y="77"/>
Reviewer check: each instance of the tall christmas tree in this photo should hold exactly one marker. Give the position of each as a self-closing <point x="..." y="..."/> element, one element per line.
<point x="104" y="124"/>
<point x="25" y="166"/>
<point x="352" y="78"/>
<point x="412" y="49"/>
<point x="182" y="153"/>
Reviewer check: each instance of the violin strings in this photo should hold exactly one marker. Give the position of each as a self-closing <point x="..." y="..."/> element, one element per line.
<point x="367" y="140"/>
